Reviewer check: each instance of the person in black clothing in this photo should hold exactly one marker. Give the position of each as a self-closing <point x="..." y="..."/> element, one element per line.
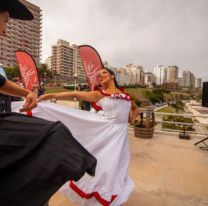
<point x="41" y="90"/>
<point x="7" y="9"/>
<point x="5" y="103"/>
<point x="5" y="100"/>
<point x="9" y="88"/>
<point x="84" y="105"/>
<point x="36" y="156"/>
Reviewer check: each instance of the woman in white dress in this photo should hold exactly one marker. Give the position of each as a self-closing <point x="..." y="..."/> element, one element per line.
<point x="105" y="136"/>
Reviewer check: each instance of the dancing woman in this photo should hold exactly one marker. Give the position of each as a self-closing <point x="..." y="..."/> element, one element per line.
<point x="105" y="136"/>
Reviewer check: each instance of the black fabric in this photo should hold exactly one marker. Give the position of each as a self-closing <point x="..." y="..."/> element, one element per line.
<point x="205" y="94"/>
<point x="5" y="103"/>
<point x="36" y="158"/>
<point x="16" y="9"/>
<point x="2" y="80"/>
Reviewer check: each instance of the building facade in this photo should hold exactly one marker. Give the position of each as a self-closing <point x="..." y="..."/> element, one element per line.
<point x="121" y="76"/>
<point x="23" y="35"/>
<point x="66" y="61"/>
<point x="172" y="74"/>
<point x="149" y="79"/>
<point x="48" y="63"/>
<point x="160" y="73"/>
<point x="198" y="83"/>
<point x="188" y="79"/>
<point x="134" y="74"/>
<point x="180" y="81"/>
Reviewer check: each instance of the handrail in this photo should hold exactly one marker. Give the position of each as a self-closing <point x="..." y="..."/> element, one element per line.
<point x="183" y="123"/>
<point x="181" y="114"/>
<point x="177" y="131"/>
<point x="195" y="124"/>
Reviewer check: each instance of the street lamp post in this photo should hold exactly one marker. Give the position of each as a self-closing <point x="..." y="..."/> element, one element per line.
<point x="55" y="80"/>
<point x="75" y="76"/>
<point x="45" y="76"/>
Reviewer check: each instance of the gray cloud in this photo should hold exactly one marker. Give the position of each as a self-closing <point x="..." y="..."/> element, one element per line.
<point x="145" y="32"/>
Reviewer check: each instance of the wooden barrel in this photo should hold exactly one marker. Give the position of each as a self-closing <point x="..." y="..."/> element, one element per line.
<point x="144" y="133"/>
<point x="145" y="128"/>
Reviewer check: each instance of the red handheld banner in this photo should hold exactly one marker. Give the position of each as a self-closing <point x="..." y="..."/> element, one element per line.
<point x="92" y="64"/>
<point x="28" y="69"/>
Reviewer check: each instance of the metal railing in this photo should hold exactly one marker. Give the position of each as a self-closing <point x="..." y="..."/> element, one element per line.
<point x="197" y="125"/>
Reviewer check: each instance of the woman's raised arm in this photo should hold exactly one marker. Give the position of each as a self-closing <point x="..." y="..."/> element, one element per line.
<point x="90" y="96"/>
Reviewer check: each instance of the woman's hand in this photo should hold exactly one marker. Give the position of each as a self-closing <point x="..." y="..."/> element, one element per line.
<point x="30" y="102"/>
<point x="133" y="119"/>
<point x="134" y="112"/>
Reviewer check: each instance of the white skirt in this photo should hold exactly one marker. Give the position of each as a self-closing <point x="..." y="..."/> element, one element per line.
<point x="108" y="142"/>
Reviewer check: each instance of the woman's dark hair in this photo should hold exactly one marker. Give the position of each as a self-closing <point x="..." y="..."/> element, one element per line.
<point x="112" y="73"/>
<point x="2" y="10"/>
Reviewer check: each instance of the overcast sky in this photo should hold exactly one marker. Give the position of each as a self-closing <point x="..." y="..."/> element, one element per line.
<point x="144" y="32"/>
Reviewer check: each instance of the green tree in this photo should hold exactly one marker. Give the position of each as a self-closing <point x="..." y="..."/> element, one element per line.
<point x="43" y="72"/>
<point x="12" y="72"/>
<point x="155" y="96"/>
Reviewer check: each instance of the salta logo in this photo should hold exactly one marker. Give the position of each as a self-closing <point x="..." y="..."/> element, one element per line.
<point x="92" y="73"/>
<point x="29" y="75"/>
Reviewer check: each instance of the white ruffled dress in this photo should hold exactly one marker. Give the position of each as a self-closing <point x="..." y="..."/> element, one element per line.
<point x="106" y="137"/>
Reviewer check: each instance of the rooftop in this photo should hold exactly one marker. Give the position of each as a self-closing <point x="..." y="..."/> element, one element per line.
<point x="167" y="171"/>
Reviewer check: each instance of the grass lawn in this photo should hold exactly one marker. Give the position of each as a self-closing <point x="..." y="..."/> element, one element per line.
<point x="177" y="127"/>
<point x="167" y="109"/>
<point x="137" y="93"/>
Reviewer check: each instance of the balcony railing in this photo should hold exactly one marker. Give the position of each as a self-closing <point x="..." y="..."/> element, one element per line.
<point x="200" y="128"/>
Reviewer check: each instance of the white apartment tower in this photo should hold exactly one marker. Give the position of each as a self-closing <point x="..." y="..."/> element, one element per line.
<point x="188" y="79"/>
<point x="24" y="35"/>
<point x="198" y="83"/>
<point x="48" y="63"/>
<point x="149" y="78"/>
<point x="160" y="73"/>
<point x="172" y="74"/>
<point x="122" y="76"/>
<point x="66" y="61"/>
<point x="134" y="74"/>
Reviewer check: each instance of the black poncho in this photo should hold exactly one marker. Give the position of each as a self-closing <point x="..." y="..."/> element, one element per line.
<point x="36" y="158"/>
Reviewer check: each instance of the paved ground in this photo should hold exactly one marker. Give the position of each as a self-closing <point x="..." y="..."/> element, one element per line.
<point x="167" y="171"/>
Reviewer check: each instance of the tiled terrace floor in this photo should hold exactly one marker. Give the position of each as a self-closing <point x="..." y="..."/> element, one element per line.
<point x="167" y="171"/>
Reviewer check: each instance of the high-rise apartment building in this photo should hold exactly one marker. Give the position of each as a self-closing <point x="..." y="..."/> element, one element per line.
<point x="188" y="79"/>
<point x="198" y="83"/>
<point x="172" y="74"/>
<point x="161" y="74"/>
<point x="180" y="81"/>
<point x="121" y="75"/>
<point x="48" y="63"/>
<point x="193" y="80"/>
<point x="24" y="35"/>
<point x="66" y="61"/>
<point x="134" y="74"/>
<point x="149" y="78"/>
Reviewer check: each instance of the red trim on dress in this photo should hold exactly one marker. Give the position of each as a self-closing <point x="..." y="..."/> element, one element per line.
<point x="29" y="113"/>
<point x="122" y="95"/>
<point x="96" y="107"/>
<point x="93" y="194"/>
